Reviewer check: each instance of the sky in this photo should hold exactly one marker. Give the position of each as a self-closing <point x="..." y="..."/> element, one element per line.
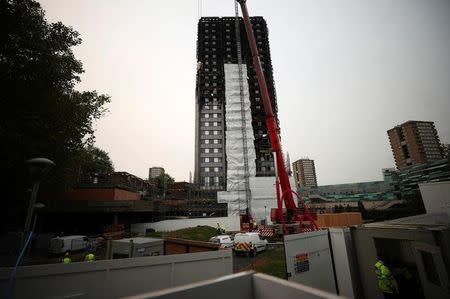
<point x="345" y="72"/>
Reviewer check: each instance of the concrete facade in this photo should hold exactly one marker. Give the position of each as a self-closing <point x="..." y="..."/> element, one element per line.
<point x="415" y="142"/>
<point x="155" y="172"/>
<point x="304" y="172"/>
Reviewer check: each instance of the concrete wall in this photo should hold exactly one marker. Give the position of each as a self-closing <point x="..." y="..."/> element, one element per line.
<point x="230" y="223"/>
<point x="363" y="240"/>
<point x="117" y="278"/>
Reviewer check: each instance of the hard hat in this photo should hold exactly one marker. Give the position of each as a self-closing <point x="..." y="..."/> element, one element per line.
<point x="67" y="253"/>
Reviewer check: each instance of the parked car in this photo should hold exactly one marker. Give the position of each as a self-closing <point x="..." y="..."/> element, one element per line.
<point x="60" y="245"/>
<point x="249" y="243"/>
<point x="224" y="240"/>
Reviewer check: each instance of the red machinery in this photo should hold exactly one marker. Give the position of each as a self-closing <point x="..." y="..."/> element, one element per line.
<point x="292" y="219"/>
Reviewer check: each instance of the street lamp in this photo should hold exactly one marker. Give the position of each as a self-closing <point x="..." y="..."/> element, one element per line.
<point x="38" y="167"/>
<point x="265" y="215"/>
<point x="38" y="205"/>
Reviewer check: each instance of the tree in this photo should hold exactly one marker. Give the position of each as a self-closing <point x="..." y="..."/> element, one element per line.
<point x="161" y="182"/>
<point x="95" y="160"/>
<point x="42" y="114"/>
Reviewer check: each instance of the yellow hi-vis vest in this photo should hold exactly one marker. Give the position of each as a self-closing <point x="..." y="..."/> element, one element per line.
<point x="220" y="228"/>
<point x="89" y="257"/>
<point x="386" y="282"/>
<point x="66" y="260"/>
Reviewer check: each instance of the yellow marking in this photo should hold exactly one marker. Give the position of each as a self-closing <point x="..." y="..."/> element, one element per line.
<point x="243" y="246"/>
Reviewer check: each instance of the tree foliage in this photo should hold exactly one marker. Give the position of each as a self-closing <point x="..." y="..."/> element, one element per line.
<point x="95" y="161"/>
<point x="162" y="182"/>
<point x="42" y="113"/>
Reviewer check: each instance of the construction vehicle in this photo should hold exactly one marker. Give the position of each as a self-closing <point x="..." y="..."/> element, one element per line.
<point x="290" y="219"/>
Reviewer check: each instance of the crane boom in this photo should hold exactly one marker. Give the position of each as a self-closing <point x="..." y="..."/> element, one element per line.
<point x="271" y="122"/>
<point x="293" y="214"/>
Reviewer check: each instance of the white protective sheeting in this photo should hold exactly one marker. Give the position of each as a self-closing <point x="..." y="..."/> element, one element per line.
<point x="235" y="194"/>
<point x="264" y="197"/>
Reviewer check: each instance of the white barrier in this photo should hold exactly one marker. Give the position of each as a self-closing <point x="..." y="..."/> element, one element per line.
<point x="117" y="278"/>
<point x="230" y="223"/>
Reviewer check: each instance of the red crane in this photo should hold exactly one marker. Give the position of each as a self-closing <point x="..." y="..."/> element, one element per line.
<point x="294" y="218"/>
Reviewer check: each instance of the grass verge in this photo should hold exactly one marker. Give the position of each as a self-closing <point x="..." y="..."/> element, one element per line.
<point x="198" y="233"/>
<point x="273" y="263"/>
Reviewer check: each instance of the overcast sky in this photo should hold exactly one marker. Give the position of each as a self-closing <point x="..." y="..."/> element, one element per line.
<point x="345" y="72"/>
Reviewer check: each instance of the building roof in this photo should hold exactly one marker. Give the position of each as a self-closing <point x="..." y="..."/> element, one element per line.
<point x="439" y="221"/>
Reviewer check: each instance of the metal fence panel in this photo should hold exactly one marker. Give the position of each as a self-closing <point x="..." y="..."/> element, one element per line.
<point x="308" y="260"/>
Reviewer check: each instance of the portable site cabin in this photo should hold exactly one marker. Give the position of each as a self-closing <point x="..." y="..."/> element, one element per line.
<point x="412" y="243"/>
<point x="136" y="247"/>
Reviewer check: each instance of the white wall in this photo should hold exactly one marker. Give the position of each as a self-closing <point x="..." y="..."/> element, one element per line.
<point x="436" y="197"/>
<point x="230" y="223"/>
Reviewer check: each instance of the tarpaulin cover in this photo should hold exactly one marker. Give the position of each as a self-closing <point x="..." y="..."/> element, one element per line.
<point x="235" y="195"/>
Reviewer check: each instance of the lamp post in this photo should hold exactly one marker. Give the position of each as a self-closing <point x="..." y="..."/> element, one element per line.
<point x="265" y="215"/>
<point x="38" y="168"/>
<point x="38" y="205"/>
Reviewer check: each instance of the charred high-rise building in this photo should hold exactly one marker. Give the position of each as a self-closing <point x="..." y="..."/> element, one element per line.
<point x="217" y="54"/>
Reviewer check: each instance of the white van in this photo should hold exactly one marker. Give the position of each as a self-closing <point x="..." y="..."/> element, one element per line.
<point x="224" y="241"/>
<point x="68" y="243"/>
<point x="250" y="243"/>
